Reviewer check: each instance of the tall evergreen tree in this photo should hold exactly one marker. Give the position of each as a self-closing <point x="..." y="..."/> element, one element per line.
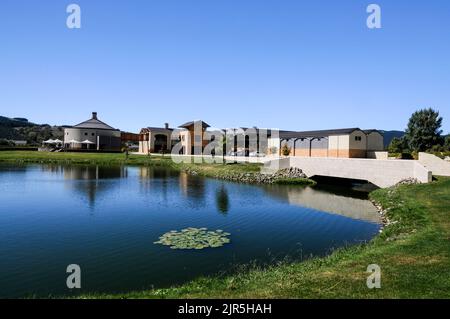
<point x="423" y="130"/>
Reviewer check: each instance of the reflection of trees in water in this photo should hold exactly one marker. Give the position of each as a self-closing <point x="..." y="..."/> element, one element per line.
<point x="86" y="180"/>
<point x="222" y="200"/>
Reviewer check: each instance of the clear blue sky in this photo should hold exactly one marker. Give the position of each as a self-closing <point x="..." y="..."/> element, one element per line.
<point x="295" y="65"/>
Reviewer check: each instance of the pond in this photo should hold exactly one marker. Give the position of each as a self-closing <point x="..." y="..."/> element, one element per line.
<point x="107" y="220"/>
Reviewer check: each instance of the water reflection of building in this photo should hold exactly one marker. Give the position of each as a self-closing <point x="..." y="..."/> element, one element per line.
<point x="192" y="187"/>
<point x="324" y="201"/>
<point x="151" y="176"/>
<point x="85" y="180"/>
<point x="94" y="172"/>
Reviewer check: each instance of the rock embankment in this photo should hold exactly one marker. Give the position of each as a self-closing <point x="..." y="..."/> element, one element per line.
<point x="287" y="174"/>
<point x="408" y="181"/>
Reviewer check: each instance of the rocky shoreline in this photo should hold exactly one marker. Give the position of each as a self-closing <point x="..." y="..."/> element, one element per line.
<point x="282" y="175"/>
<point x="385" y="221"/>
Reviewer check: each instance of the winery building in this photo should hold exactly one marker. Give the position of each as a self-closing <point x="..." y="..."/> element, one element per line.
<point x="345" y="143"/>
<point x="92" y="135"/>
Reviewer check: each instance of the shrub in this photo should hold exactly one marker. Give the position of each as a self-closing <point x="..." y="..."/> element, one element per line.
<point x="285" y="150"/>
<point x="447" y="144"/>
<point x="406" y="156"/>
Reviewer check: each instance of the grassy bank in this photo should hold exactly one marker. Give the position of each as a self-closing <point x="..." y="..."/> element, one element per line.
<point x="114" y="159"/>
<point x="413" y="253"/>
<point x="28" y="157"/>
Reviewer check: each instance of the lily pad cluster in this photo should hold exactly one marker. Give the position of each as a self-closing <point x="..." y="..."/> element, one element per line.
<point x="194" y="238"/>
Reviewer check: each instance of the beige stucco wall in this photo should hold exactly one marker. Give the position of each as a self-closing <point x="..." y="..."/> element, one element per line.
<point x="80" y="134"/>
<point x="186" y="142"/>
<point x="149" y="143"/>
<point x="273" y="142"/>
<point x="375" y="142"/>
<point x="143" y="147"/>
<point x="338" y="142"/>
<point x="358" y="145"/>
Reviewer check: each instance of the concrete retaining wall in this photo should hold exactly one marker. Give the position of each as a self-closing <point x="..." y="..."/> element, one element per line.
<point x="383" y="173"/>
<point x="377" y="155"/>
<point x="435" y="164"/>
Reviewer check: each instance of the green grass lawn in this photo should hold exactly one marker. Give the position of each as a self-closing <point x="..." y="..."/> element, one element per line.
<point x="413" y="253"/>
<point x="79" y="158"/>
<point x="203" y="169"/>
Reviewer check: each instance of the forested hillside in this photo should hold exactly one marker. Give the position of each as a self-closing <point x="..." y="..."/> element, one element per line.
<point x="22" y="129"/>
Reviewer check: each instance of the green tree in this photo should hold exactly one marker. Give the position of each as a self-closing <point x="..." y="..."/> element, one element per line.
<point x="423" y="130"/>
<point x="447" y="143"/>
<point x="397" y="145"/>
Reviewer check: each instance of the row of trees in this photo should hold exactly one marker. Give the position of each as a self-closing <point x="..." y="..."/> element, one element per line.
<point x="422" y="134"/>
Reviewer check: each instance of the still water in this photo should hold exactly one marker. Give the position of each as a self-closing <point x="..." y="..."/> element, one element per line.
<point x="105" y="219"/>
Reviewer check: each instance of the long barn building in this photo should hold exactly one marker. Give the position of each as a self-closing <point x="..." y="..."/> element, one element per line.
<point x="346" y="143"/>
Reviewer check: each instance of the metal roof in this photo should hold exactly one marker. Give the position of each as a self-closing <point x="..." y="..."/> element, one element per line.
<point x="152" y="128"/>
<point x="371" y="131"/>
<point x="320" y="133"/>
<point x="94" y="123"/>
<point x="191" y="123"/>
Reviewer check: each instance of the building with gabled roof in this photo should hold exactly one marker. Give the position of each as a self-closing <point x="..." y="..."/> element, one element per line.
<point x="156" y="139"/>
<point x="346" y="142"/>
<point x="92" y="135"/>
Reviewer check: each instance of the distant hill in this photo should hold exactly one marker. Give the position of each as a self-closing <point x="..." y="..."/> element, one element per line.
<point x="21" y="129"/>
<point x="389" y="135"/>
